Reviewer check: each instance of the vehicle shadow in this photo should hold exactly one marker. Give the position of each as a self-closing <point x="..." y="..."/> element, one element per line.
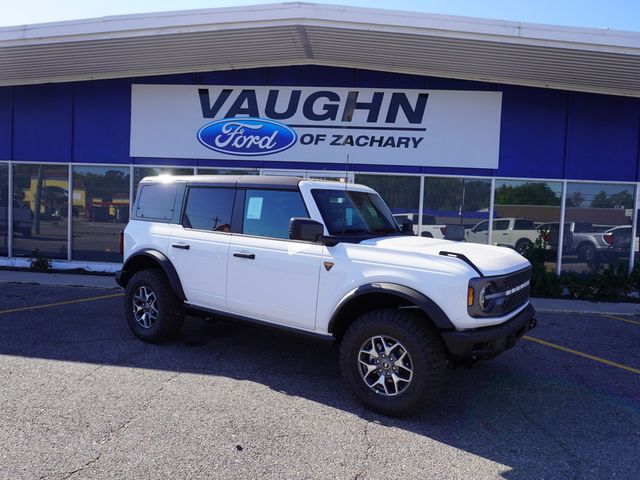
<point x="537" y="424"/>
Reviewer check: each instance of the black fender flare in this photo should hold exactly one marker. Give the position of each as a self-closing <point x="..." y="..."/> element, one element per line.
<point x="122" y="277"/>
<point x="428" y="306"/>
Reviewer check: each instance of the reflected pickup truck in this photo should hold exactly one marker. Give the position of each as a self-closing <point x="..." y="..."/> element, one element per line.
<point x="517" y="233"/>
<point x="324" y="259"/>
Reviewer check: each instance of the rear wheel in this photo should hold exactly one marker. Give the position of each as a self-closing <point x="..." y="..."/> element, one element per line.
<point x="153" y="311"/>
<point x="587" y="252"/>
<point x="392" y="361"/>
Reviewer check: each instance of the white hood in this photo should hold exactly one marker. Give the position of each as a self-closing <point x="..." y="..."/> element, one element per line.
<point x="489" y="259"/>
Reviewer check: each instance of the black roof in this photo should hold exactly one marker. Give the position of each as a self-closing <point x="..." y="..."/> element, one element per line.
<point x="248" y="181"/>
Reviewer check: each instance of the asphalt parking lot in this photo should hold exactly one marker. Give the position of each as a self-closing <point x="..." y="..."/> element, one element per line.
<point x="82" y="398"/>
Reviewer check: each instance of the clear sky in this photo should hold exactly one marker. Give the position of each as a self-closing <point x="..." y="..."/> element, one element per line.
<point x="613" y="14"/>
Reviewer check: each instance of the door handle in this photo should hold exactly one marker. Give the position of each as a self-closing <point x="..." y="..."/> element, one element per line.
<point x="182" y="246"/>
<point x="250" y="256"/>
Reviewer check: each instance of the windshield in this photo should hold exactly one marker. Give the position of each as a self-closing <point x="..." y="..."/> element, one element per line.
<point x="354" y="213"/>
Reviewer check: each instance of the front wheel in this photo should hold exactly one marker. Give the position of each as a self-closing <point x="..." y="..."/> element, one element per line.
<point x="153" y="311"/>
<point x="392" y="361"/>
<point x="523" y="245"/>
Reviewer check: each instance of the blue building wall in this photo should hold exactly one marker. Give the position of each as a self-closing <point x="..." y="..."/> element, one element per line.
<point x="545" y="133"/>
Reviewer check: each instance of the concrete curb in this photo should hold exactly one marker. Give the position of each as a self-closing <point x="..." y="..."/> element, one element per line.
<point x="62" y="279"/>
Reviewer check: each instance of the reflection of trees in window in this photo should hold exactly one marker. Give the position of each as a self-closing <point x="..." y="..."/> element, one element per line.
<point x="575" y="199"/>
<point x="526" y="194"/>
<point x="602" y="199"/>
<point x="621" y="199"/>
<point x="401" y="193"/>
<point x="454" y="194"/>
<point x="107" y="184"/>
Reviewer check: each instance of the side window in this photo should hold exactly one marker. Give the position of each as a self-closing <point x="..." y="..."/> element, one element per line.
<point x="209" y="208"/>
<point x="267" y="212"/>
<point x="523" y="224"/>
<point x="501" y="224"/>
<point x="157" y="201"/>
<point x="482" y="226"/>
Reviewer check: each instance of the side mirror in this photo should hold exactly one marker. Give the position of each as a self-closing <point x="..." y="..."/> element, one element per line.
<point x="305" y="229"/>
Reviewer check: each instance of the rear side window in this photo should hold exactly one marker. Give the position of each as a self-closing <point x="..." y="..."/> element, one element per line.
<point x="267" y="212"/>
<point x="157" y="202"/>
<point x="524" y="224"/>
<point x="209" y="208"/>
<point x="501" y="224"/>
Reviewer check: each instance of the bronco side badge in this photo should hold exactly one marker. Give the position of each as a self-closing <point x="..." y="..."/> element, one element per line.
<point x="328" y="265"/>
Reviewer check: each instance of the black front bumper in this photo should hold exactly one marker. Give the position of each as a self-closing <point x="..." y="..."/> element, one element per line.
<point x="488" y="342"/>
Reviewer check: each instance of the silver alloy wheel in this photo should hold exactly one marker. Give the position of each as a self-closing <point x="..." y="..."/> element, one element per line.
<point x="145" y="307"/>
<point x="385" y="365"/>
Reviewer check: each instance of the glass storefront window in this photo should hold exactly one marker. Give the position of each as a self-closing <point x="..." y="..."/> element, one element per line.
<point x="140" y="172"/>
<point x="100" y="210"/>
<point x="525" y="211"/>
<point x="456" y="209"/>
<point x="598" y="221"/>
<point x="401" y="193"/>
<point x="41" y="195"/>
<point x="227" y="171"/>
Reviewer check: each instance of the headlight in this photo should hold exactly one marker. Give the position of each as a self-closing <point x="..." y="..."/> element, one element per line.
<point x="485" y="297"/>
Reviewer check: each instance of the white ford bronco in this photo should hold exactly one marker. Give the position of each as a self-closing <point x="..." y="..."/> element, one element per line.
<point x="327" y="259"/>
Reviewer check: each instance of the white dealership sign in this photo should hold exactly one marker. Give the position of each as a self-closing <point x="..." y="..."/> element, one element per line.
<point x="442" y="128"/>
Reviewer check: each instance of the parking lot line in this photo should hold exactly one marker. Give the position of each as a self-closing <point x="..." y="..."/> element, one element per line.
<point x="67" y="302"/>
<point x="635" y="322"/>
<point x="582" y="354"/>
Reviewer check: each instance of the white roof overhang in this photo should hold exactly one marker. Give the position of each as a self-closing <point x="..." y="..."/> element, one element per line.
<point x="568" y="58"/>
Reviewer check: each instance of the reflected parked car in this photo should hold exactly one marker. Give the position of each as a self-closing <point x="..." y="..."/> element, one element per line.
<point x="516" y="233"/>
<point x="22" y="218"/>
<point x="619" y="238"/>
<point x="588" y="241"/>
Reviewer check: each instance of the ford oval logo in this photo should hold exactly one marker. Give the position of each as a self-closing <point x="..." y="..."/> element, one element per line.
<point x="247" y="136"/>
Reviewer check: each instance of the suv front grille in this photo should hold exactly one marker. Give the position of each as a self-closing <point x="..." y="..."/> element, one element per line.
<point x="518" y="288"/>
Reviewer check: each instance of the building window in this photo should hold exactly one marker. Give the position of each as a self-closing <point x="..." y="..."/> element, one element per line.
<point x="227" y="171"/>
<point x="530" y="211"/>
<point x="140" y="172"/>
<point x="4" y="209"/>
<point x="267" y="213"/>
<point x="100" y="210"/>
<point x="400" y="192"/>
<point x="598" y="221"/>
<point x="41" y="193"/>
<point x="456" y="209"/>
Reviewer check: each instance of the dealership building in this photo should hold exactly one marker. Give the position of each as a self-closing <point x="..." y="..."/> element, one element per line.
<point x="454" y="120"/>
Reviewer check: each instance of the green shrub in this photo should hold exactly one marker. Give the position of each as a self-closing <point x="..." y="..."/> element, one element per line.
<point x="543" y="282"/>
<point x="39" y="262"/>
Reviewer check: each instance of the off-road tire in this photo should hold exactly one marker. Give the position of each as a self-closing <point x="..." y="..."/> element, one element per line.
<point x="170" y="316"/>
<point x="424" y="346"/>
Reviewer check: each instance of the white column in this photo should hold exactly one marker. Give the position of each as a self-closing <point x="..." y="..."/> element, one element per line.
<point x="421" y="205"/>
<point x="634" y="229"/>
<point x="563" y="203"/>
<point x="491" y="204"/>
<point x="69" y="211"/>
<point x="10" y="211"/>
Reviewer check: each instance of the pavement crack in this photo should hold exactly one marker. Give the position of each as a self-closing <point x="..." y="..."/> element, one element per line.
<point x="368" y="450"/>
<point x="113" y="434"/>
